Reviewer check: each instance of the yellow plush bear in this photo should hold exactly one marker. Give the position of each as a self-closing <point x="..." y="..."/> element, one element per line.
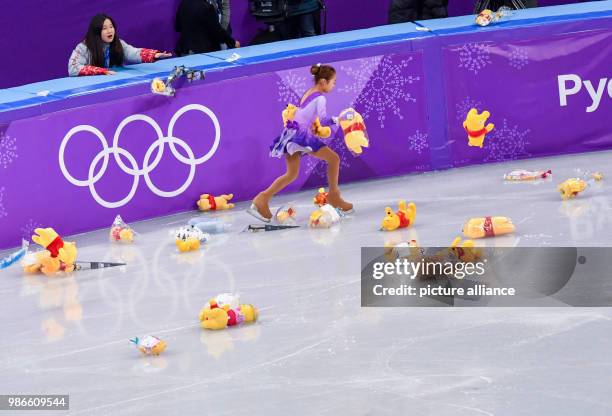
<point x="209" y="202"/>
<point x="571" y="188"/>
<point x="465" y="251"/>
<point x="487" y="227"/>
<point x="317" y="129"/>
<point x="355" y="135"/>
<point x="187" y="244"/>
<point x="289" y="113"/>
<point x="403" y="218"/>
<point x="221" y="318"/>
<point x="320" y="131"/>
<point x="58" y="255"/>
<point x="474" y="126"/>
<point x="225" y="310"/>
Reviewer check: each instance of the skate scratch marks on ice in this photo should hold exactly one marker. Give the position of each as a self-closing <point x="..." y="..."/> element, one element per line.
<point x="207" y="381"/>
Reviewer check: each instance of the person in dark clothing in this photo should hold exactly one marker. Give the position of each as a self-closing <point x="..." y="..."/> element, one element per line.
<point x="496" y="4"/>
<point x="402" y="11"/>
<point x="301" y="19"/>
<point x="197" y="21"/>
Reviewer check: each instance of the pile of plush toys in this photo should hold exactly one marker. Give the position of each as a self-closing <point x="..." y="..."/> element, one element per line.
<point x="167" y="87"/>
<point x="57" y="256"/>
<point x="464" y="251"/>
<point x="476" y="127"/>
<point x="486" y="17"/>
<point x="220" y="312"/>
<point x="350" y="121"/>
<point x="226" y="310"/>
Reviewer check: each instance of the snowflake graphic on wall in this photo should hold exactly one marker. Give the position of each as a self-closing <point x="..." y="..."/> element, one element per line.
<point x="359" y="76"/>
<point x="8" y="150"/>
<point x="506" y="143"/>
<point x="463" y="107"/>
<point x="418" y="142"/>
<point x="474" y="56"/>
<point x="3" y="212"/>
<point x="518" y="57"/>
<point x="385" y="89"/>
<point x="291" y="86"/>
<point x="318" y="167"/>
<point x="28" y="229"/>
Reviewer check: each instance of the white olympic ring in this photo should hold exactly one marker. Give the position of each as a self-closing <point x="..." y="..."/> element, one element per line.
<point x="147" y="167"/>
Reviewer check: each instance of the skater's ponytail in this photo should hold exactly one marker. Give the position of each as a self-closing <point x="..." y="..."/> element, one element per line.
<point x="319" y="72"/>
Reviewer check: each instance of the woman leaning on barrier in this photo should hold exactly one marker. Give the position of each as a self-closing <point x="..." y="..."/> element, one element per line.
<point x="102" y="49"/>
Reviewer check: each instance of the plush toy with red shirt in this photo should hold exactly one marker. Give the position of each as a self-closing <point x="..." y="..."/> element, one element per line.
<point x="474" y="126"/>
<point x="208" y="202"/>
<point x="355" y="133"/>
<point x="58" y="255"/>
<point x="403" y="218"/>
<point x="225" y="310"/>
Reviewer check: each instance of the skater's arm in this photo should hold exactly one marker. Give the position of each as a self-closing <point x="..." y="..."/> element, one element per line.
<point x="322" y="113"/>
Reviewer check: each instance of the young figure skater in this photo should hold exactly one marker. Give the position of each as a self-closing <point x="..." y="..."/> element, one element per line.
<point x="102" y="49"/>
<point x="298" y="138"/>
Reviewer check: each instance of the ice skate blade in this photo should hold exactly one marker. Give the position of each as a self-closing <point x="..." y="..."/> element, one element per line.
<point x="252" y="210"/>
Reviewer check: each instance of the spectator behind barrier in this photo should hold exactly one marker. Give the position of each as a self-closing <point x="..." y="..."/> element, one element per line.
<point x="301" y="19"/>
<point x="197" y="21"/>
<point x="496" y="4"/>
<point x="402" y="11"/>
<point x="224" y="13"/>
<point x="287" y="19"/>
<point x="102" y="49"/>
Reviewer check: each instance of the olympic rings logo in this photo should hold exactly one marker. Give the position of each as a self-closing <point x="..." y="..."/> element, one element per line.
<point x="148" y="166"/>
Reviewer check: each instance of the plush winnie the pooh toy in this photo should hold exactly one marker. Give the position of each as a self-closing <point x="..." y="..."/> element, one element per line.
<point x="58" y="255"/>
<point x="487" y="227"/>
<point x="288" y="114"/>
<point x="474" y="126"/>
<point x="224" y="310"/>
<point x="355" y="134"/>
<point x="403" y="218"/>
<point x="320" y="198"/>
<point x="209" y="202"/>
<point x="570" y="188"/>
<point x="465" y="250"/>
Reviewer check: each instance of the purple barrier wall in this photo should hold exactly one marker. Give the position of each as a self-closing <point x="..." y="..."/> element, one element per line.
<point x="546" y="95"/>
<point x="150" y="155"/>
<point x="40" y="35"/>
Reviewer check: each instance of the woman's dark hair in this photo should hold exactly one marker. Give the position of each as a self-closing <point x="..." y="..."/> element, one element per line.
<point x="320" y="72"/>
<point x="93" y="41"/>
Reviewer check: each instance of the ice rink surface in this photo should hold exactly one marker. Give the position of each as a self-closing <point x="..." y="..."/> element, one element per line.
<point x="315" y="351"/>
